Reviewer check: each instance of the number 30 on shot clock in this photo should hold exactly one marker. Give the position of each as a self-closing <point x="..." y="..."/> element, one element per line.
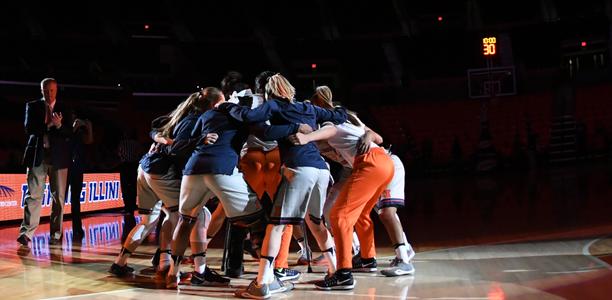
<point x="489" y="46"/>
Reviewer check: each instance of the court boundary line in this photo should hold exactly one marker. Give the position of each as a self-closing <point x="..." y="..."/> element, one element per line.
<point x="587" y="253"/>
<point x="90" y="294"/>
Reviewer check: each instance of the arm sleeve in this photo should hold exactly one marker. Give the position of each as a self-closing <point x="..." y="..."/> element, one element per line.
<point x="197" y="129"/>
<point x="273" y="132"/>
<point x="185" y="140"/>
<point x="336" y="116"/>
<point x="184" y="130"/>
<point x="243" y="114"/>
<point x="182" y="147"/>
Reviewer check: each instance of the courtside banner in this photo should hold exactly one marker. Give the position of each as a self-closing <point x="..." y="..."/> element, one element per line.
<point x="99" y="191"/>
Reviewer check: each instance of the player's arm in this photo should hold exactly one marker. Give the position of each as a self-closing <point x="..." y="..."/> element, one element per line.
<point x="324" y="133"/>
<point x="244" y="114"/>
<point x="369" y="137"/>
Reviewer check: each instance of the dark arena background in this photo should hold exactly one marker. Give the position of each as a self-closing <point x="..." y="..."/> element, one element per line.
<point x="501" y="112"/>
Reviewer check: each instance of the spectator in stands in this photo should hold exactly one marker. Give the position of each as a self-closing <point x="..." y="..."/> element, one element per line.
<point x="129" y="151"/>
<point x="82" y="135"/>
<point x="46" y="154"/>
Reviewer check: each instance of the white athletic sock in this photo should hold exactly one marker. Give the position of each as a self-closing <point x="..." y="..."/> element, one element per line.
<point x="164" y="260"/>
<point x="199" y="264"/>
<point x="331" y="260"/>
<point x="401" y="252"/>
<point x="356" y="244"/>
<point x="409" y="250"/>
<point x="270" y="275"/>
<point x="302" y="245"/>
<point x="265" y="273"/>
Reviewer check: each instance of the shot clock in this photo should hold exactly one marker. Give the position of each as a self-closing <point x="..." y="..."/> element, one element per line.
<point x="489" y="46"/>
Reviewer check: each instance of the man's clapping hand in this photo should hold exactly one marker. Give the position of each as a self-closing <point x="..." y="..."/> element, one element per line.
<point x="56" y="119"/>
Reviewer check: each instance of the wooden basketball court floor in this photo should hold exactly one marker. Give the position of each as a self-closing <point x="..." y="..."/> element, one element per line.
<point x="556" y="265"/>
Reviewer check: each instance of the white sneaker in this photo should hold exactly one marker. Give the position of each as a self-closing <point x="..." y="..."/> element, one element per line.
<point x="411" y="252"/>
<point x="400" y="268"/>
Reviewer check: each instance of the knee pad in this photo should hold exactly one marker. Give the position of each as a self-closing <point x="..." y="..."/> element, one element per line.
<point x="198" y="233"/>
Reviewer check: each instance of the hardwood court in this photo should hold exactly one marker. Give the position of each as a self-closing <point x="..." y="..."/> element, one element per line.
<point x="488" y="238"/>
<point x="553" y="267"/>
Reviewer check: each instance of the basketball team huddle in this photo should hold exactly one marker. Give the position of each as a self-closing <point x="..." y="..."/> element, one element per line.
<point x="263" y="156"/>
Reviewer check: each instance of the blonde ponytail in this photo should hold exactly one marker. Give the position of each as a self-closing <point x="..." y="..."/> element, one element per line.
<point x="194" y="103"/>
<point x="323" y="98"/>
<point x="279" y="86"/>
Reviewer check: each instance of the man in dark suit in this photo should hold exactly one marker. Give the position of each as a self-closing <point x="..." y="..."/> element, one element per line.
<point x="47" y="154"/>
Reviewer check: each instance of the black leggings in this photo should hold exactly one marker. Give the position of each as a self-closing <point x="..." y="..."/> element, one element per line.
<point x="129" y="173"/>
<point x="75" y="180"/>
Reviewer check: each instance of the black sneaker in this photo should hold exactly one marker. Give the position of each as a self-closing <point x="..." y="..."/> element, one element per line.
<point x="284" y="274"/>
<point x="336" y="281"/>
<point x="364" y="264"/>
<point x="120" y="271"/>
<point x="208" y="278"/>
<point x="23" y="240"/>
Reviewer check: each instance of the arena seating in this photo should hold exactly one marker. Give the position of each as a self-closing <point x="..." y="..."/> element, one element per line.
<point x="593" y="108"/>
<point x="441" y="122"/>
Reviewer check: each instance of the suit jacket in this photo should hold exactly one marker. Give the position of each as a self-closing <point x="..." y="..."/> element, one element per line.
<point x="35" y="129"/>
